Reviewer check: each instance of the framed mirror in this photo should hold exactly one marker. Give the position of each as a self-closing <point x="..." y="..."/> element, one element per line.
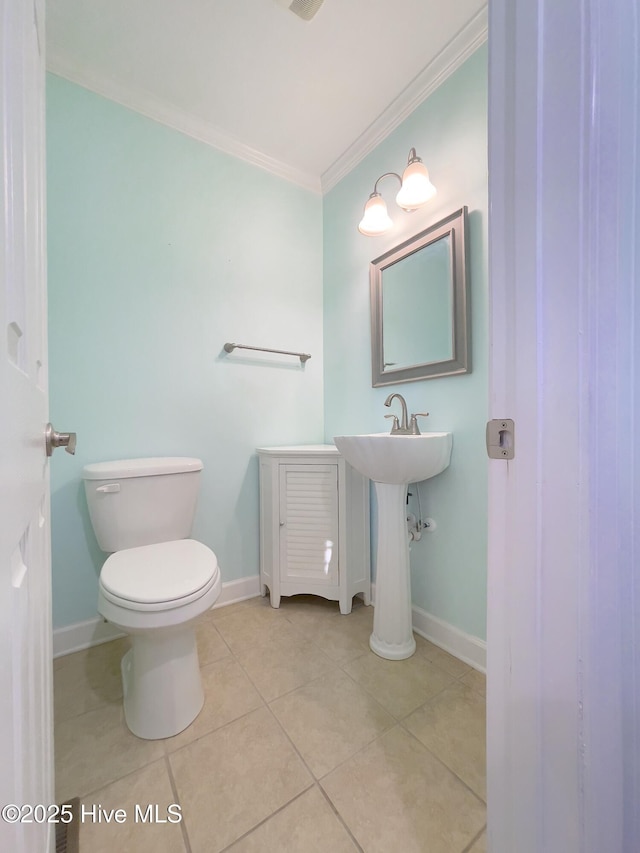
<point x="419" y="306"/>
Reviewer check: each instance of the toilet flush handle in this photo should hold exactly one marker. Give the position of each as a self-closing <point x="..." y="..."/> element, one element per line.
<point x="109" y="487"/>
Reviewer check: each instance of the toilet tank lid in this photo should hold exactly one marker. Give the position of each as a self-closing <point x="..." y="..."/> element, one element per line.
<point x="148" y="467"/>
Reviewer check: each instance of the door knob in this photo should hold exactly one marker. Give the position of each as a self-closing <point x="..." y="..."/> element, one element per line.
<point x="55" y="439"/>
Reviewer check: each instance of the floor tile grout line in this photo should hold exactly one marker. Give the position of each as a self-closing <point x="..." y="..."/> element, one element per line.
<point x="473" y="689"/>
<point x="229" y="722"/>
<point x="297" y="631"/>
<point x="428" y="701"/>
<point x="319" y="779"/>
<point x="357" y="752"/>
<point x="334" y="809"/>
<point x="268" y="818"/>
<point x="395" y="717"/>
<point x="169" y="753"/>
<point x="364" y="746"/>
<point x="267" y="704"/>
<point x="398" y="724"/>
<point x="216" y="660"/>
<point x="293" y="746"/>
<point x="469" y="846"/>
<point x="330" y="616"/>
<point x="371" y="696"/>
<point x="311" y="784"/>
<point x="422" y="653"/>
<point x="255" y="686"/>
<point x="174" y="790"/>
<point x="100" y="707"/>
<point x="113" y="700"/>
<point x="439" y="666"/>
<point x="301" y="631"/>
<point x="471" y="672"/>
<point x="213" y="625"/>
<point x="312" y="641"/>
<point x="443" y="763"/>
<point x="292" y="690"/>
<point x="235" y="651"/>
<point x="106" y="784"/>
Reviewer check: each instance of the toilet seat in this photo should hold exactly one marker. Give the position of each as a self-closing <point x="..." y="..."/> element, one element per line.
<point x="159" y="577"/>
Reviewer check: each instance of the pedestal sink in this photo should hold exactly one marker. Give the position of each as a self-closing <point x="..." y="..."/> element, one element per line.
<point x="392" y="462"/>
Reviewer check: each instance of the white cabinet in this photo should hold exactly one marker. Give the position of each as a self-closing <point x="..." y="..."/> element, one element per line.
<point x="314" y="525"/>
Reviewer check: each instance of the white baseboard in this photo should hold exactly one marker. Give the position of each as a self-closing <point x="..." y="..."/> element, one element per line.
<point x="82" y="635"/>
<point x="240" y="590"/>
<point x="93" y="632"/>
<point x="465" y="647"/>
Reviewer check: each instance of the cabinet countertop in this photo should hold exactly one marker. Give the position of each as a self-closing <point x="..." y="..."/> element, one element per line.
<point x="300" y="450"/>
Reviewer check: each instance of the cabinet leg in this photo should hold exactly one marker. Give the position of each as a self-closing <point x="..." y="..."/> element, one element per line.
<point x="366" y="596"/>
<point x="263" y="589"/>
<point x="275" y="600"/>
<point x="345" y="606"/>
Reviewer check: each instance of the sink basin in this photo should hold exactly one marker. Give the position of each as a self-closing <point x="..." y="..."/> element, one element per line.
<point x="396" y="459"/>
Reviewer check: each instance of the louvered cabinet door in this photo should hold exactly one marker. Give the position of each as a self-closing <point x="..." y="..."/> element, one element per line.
<point x="308" y="524"/>
<point x="314" y="525"/>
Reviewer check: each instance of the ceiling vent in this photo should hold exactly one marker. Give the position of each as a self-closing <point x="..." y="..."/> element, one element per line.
<point x="304" y="9"/>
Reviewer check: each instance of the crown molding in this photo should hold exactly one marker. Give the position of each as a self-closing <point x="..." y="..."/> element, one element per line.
<point x="461" y="46"/>
<point x="155" y="108"/>
<point x="456" y="52"/>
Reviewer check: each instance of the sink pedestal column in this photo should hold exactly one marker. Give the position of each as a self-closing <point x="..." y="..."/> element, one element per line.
<point x="392" y="636"/>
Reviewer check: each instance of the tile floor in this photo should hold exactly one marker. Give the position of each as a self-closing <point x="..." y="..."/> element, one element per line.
<point x="308" y="742"/>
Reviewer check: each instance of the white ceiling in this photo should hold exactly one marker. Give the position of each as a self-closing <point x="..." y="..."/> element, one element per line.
<point x="306" y="100"/>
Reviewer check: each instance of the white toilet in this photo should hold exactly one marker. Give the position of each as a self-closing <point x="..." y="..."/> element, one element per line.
<point x="154" y="584"/>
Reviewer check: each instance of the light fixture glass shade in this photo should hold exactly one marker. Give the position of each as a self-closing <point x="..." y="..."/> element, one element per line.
<point x="376" y="219"/>
<point x="416" y="188"/>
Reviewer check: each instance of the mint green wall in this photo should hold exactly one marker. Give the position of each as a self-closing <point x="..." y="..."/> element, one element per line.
<point x="160" y="250"/>
<point x="449" y="131"/>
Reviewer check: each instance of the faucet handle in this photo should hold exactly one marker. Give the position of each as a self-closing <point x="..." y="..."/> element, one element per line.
<point x="395" y="426"/>
<point x="413" y="426"/>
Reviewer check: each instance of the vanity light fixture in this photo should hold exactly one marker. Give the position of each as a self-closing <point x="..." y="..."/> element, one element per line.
<point x="415" y="190"/>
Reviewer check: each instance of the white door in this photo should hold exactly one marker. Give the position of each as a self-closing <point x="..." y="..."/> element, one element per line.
<point x="26" y="742"/>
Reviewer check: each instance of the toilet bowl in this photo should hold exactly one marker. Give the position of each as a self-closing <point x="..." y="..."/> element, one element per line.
<point x="153" y="587"/>
<point x="143" y="591"/>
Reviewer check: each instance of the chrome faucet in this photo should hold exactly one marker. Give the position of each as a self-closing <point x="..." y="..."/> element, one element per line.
<point x="404" y="427"/>
<point x="401" y="428"/>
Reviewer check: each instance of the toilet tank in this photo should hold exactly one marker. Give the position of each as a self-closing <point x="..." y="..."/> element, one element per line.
<point x="136" y="502"/>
